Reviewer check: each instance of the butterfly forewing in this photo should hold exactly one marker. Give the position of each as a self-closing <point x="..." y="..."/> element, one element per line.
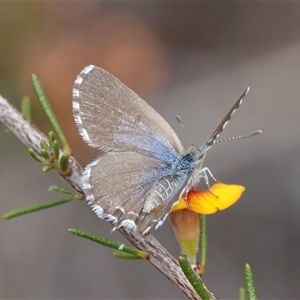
<point x="111" y="116"/>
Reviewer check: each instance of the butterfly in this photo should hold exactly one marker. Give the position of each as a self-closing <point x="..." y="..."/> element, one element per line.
<point x="142" y="169"/>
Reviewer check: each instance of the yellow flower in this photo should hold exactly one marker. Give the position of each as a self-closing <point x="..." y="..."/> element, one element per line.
<point x="220" y="197"/>
<point x="186" y="214"/>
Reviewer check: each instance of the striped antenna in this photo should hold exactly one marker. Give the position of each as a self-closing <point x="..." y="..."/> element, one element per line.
<point x="239" y="137"/>
<point x="183" y="127"/>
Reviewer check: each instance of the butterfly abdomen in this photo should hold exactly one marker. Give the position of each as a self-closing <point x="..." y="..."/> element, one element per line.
<point x="162" y="192"/>
<point x="165" y="189"/>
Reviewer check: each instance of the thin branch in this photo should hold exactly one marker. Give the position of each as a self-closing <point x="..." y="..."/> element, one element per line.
<point x="159" y="257"/>
<point x="31" y="137"/>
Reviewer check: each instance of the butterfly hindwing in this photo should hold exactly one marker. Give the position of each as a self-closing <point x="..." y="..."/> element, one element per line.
<point x="116" y="185"/>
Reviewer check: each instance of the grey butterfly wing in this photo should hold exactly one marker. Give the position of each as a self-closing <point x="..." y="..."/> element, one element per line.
<point x="111" y="116"/>
<point x="140" y="146"/>
<point x="116" y="185"/>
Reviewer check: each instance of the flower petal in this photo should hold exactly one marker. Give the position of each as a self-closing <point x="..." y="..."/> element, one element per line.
<point x="208" y="202"/>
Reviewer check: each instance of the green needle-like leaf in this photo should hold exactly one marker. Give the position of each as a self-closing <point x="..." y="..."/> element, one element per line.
<point x="47" y="168"/>
<point x="49" y="112"/>
<point x="242" y="294"/>
<point x="125" y="255"/>
<point x="53" y="144"/>
<point x="64" y="163"/>
<point x="45" y="153"/>
<point x="51" y="138"/>
<point x="26" y="109"/>
<point x="34" y="155"/>
<point x="55" y="149"/>
<point x="108" y="243"/>
<point x="59" y="189"/>
<point x="203" y="242"/>
<point x="193" y="279"/>
<point x="33" y="208"/>
<point x="44" y="145"/>
<point x="250" y="283"/>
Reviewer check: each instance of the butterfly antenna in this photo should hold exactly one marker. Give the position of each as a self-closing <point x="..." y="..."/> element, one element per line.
<point x="238" y="137"/>
<point x="211" y="141"/>
<point x="180" y="123"/>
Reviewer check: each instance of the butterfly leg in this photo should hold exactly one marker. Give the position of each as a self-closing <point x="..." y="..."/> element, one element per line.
<point x="205" y="172"/>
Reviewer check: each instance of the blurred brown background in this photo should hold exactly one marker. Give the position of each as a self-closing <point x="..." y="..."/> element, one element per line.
<point x="191" y="59"/>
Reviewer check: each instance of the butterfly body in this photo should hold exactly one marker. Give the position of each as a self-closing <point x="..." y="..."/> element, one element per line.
<point x="163" y="190"/>
<point x="142" y="169"/>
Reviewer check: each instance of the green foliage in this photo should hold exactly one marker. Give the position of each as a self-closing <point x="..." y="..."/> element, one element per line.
<point x="26" y="108"/>
<point x="203" y="242"/>
<point x="33" y="208"/>
<point x="242" y="294"/>
<point x="249" y="281"/>
<point x="193" y="279"/>
<point x="49" y="112"/>
<point x="109" y="243"/>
